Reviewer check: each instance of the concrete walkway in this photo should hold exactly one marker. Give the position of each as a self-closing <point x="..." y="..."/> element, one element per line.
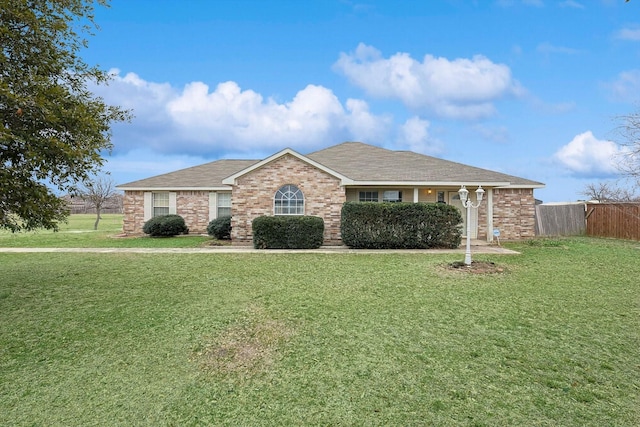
<point x="475" y="249"/>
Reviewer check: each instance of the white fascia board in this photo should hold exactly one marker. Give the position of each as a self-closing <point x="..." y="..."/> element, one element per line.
<point x="225" y="188"/>
<point x="231" y="180"/>
<point x="523" y="186"/>
<point x="429" y="183"/>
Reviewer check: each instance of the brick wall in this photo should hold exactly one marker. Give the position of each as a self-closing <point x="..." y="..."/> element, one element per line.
<point x="513" y="210"/>
<point x="193" y="206"/>
<point x="482" y="220"/>
<point x="254" y="193"/>
<point x="133" y="208"/>
<point x="514" y="213"/>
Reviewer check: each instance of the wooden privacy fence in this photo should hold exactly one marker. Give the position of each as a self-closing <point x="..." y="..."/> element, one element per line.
<point x="617" y="220"/>
<point x="560" y="219"/>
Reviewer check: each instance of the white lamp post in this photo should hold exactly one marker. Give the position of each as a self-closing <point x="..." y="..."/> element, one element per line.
<point x="468" y="204"/>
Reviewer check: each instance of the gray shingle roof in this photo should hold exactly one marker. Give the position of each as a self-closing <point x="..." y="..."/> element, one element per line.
<point x="208" y="175"/>
<point x="362" y="162"/>
<point x="355" y="160"/>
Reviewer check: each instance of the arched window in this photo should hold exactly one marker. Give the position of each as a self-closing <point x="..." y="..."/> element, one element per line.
<point x="289" y="201"/>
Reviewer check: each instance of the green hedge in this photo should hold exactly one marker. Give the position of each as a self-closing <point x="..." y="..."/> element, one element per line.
<point x="165" y="226"/>
<point x="373" y="225"/>
<point x="287" y="232"/>
<point x="220" y="228"/>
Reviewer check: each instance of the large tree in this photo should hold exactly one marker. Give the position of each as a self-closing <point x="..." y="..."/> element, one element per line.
<point x="54" y="130"/>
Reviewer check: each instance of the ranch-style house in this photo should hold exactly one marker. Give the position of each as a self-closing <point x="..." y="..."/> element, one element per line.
<point x="319" y="183"/>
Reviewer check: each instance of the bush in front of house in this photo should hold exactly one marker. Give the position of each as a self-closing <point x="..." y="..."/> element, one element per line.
<point x="287" y="232"/>
<point x="220" y="228"/>
<point x="371" y="225"/>
<point x="165" y="226"/>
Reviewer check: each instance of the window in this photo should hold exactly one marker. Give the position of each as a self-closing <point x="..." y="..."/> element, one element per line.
<point x="392" y="196"/>
<point x="441" y="197"/>
<point x="368" y="196"/>
<point x="160" y="203"/>
<point x="289" y="201"/>
<point x="224" y="204"/>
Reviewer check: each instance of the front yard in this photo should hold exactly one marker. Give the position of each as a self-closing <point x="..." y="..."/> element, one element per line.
<point x="79" y="233"/>
<point x="316" y="339"/>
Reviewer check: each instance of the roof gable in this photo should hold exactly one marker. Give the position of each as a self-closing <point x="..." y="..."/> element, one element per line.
<point x="287" y="151"/>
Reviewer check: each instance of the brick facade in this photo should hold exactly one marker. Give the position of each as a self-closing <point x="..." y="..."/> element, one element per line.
<point x="133" y="207"/>
<point x="483" y="232"/>
<point x="253" y="196"/>
<point x="193" y="206"/>
<point x="514" y="213"/>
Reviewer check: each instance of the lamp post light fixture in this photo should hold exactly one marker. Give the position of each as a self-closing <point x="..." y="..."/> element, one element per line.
<point x="468" y="205"/>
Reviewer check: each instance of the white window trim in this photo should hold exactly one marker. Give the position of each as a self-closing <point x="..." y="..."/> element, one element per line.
<point x="213" y="204"/>
<point x="368" y="191"/>
<point x="173" y="205"/>
<point x="304" y="202"/>
<point x="148" y="203"/>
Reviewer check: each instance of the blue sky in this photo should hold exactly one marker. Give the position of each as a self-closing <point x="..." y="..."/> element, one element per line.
<point x="527" y="87"/>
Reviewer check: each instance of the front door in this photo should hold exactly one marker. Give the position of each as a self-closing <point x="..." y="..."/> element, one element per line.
<point x="454" y="200"/>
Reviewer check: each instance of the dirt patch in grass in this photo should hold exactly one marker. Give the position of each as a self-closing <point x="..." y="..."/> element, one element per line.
<point x="216" y="242"/>
<point x="476" y="267"/>
<point x="248" y="346"/>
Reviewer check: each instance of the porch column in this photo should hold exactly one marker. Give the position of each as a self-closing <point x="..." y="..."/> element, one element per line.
<point x="415" y="195"/>
<point x="490" y="215"/>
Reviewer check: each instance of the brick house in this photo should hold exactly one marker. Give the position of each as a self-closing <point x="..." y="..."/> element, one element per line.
<point x="289" y="183"/>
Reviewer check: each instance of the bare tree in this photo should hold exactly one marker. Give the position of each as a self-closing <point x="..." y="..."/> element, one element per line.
<point x="609" y="192"/>
<point x="629" y="158"/>
<point x="97" y="192"/>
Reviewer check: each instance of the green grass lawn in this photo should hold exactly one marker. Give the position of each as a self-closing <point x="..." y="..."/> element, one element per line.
<point x="317" y="339"/>
<point x="79" y="233"/>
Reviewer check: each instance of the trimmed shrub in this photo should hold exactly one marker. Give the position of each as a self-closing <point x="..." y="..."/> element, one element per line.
<point x="165" y="226"/>
<point x="288" y="232"/>
<point x="373" y="225"/>
<point x="220" y="228"/>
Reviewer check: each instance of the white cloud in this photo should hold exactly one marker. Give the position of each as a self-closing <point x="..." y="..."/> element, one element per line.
<point x="459" y="88"/>
<point x="626" y="87"/>
<point x="130" y="91"/>
<point x="632" y="34"/>
<point x="588" y="156"/>
<point x="414" y="136"/>
<point x="365" y="125"/>
<point x="230" y="121"/>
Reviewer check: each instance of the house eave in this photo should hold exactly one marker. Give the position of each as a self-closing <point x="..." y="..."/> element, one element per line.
<point x="353" y="183"/>
<point x="523" y="186"/>
<point x="217" y="188"/>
